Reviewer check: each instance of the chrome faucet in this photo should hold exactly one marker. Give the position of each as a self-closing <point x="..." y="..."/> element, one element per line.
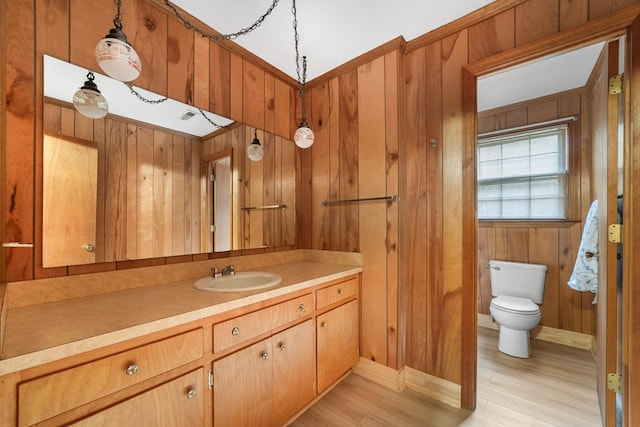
<point x="228" y="271"/>
<point x="215" y="272"/>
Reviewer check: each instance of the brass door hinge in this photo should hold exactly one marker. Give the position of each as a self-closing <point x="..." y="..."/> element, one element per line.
<point x="210" y="379"/>
<point x="616" y="85"/>
<point x="614" y="234"/>
<point x="614" y="382"/>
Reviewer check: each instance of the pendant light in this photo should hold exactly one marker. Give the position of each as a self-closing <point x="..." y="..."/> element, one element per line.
<point x="115" y="55"/>
<point x="304" y="135"/>
<point x="255" y="151"/>
<point x="89" y="101"/>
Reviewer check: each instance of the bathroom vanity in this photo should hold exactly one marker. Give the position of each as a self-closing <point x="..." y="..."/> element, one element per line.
<point x="174" y="355"/>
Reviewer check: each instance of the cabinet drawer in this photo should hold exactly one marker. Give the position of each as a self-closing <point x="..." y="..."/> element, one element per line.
<point x="234" y="331"/>
<point x="335" y="293"/>
<point x="53" y="394"/>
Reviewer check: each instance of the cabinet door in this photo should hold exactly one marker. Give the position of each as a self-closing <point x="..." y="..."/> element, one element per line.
<point x="242" y="387"/>
<point x="177" y="403"/>
<point x="294" y="370"/>
<point x="338" y="343"/>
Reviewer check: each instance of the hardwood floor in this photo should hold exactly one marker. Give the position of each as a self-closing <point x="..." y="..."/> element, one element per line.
<point x="555" y="387"/>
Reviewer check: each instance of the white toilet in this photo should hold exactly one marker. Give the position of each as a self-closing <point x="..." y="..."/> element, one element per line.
<point x="517" y="288"/>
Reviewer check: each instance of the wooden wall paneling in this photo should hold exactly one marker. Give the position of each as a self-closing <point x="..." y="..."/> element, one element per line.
<point x="220" y="81"/>
<point x="197" y="172"/>
<point x="268" y="188"/>
<point x="486" y="252"/>
<point x="543" y="249"/>
<point x="201" y="61"/>
<point x="321" y="166"/>
<point x="19" y="121"/>
<point x="542" y="112"/>
<point x="372" y="217"/>
<point x="146" y="29"/>
<point x="253" y="95"/>
<point x="518" y="244"/>
<point x="570" y="308"/>
<point x="188" y="179"/>
<point x="254" y="196"/>
<point x="236" y="83"/>
<point x="416" y="244"/>
<point x="491" y="36"/>
<point x="282" y="113"/>
<point x="180" y="62"/>
<point x="349" y="167"/>
<point x="67" y="124"/>
<point x="178" y="196"/>
<point x="89" y="22"/>
<point x="454" y="55"/>
<point x="514" y="118"/>
<point x="144" y="193"/>
<point x="573" y="13"/>
<point x="132" y="191"/>
<point x="288" y="191"/>
<point x="392" y="90"/>
<point x="535" y="20"/>
<point x="52" y="17"/>
<point x="116" y="185"/>
<point x="278" y="196"/>
<point x="269" y="103"/>
<point x="599" y="8"/>
<point x="162" y="178"/>
<point x="435" y="204"/>
<point x="335" y="166"/>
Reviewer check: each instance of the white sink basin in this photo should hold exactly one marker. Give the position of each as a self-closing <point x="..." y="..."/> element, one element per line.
<point x="241" y="281"/>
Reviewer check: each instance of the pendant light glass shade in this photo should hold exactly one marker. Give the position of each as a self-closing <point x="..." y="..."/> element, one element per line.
<point x="89" y="101"/>
<point x="114" y="54"/>
<point x="118" y="59"/>
<point x="255" y="151"/>
<point x="304" y="135"/>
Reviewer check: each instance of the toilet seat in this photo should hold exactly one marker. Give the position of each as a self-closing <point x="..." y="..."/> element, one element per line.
<point x="515" y="305"/>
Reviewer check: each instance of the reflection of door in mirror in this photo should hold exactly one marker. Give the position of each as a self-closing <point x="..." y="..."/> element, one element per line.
<point x="69" y="197"/>
<point x="220" y="173"/>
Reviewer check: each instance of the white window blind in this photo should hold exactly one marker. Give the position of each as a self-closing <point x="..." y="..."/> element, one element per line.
<point x="523" y="175"/>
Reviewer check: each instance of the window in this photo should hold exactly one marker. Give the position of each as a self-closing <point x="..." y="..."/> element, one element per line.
<point x="523" y="175"/>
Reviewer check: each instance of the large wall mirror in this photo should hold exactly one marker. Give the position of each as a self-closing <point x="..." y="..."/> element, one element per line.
<point x="130" y="186"/>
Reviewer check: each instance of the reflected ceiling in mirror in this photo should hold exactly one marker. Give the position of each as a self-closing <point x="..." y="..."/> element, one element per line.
<point x="62" y="80"/>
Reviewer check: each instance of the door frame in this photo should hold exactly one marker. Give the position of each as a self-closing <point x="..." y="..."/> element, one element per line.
<point x="603" y="29"/>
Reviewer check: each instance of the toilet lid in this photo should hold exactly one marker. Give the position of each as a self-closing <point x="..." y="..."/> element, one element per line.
<point x="515" y="304"/>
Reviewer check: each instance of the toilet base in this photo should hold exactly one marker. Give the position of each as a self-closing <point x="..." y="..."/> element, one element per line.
<point x="514" y="342"/>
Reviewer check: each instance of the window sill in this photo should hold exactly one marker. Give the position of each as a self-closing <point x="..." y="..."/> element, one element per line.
<point x="526" y="223"/>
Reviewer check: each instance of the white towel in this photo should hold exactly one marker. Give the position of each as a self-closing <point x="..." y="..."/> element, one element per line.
<point x="585" y="272"/>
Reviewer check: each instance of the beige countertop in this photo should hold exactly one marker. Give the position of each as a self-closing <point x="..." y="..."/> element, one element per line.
<point x="42" y="333"/>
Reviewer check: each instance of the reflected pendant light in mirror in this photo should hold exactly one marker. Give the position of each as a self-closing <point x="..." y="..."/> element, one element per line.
<point x="255" y="151"/>
<point x="115" y="55"/>
<point x="89" y="101"/>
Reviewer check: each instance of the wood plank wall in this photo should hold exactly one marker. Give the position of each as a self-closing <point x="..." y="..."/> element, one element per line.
<point x="425" y="282"/>
<point x="554" y="244"/>
<point x="220" y="77"/>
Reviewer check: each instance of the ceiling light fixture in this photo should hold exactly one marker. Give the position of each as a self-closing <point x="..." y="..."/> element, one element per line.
<point x="89" y="101"/>
<point x="115" y="55"/>
<point x="304" y="135"/>
<point x="255" y="151"/>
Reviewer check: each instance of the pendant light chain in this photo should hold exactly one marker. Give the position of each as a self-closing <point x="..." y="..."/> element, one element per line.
<point x="301" y="79"/>
<point x="142" y="98"/>
<point x="117" y="21"/>
<point x="216" y="37"/>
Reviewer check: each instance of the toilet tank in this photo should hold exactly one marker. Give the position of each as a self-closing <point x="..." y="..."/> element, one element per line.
<point x="517" y="279"/>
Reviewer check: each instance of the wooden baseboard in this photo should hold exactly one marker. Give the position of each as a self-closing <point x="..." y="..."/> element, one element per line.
<point x="545" y="333"/>
<point x="380" y="374"/>
<point x="434" y="387"/>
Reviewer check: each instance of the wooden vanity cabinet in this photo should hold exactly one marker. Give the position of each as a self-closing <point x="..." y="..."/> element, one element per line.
<point x="268" y="382"/>
<point x="48" y="396"/>
<point x="179" y="402"/>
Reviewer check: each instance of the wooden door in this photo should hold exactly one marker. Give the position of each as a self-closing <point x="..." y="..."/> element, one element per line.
<point x="294" y="370"/>
<point x="607" y="112"/>
<point x="177" y="403"/>
<point x="242" y="387"/>
<point x="337" y="343"/>
<point x="69" y="197"/>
